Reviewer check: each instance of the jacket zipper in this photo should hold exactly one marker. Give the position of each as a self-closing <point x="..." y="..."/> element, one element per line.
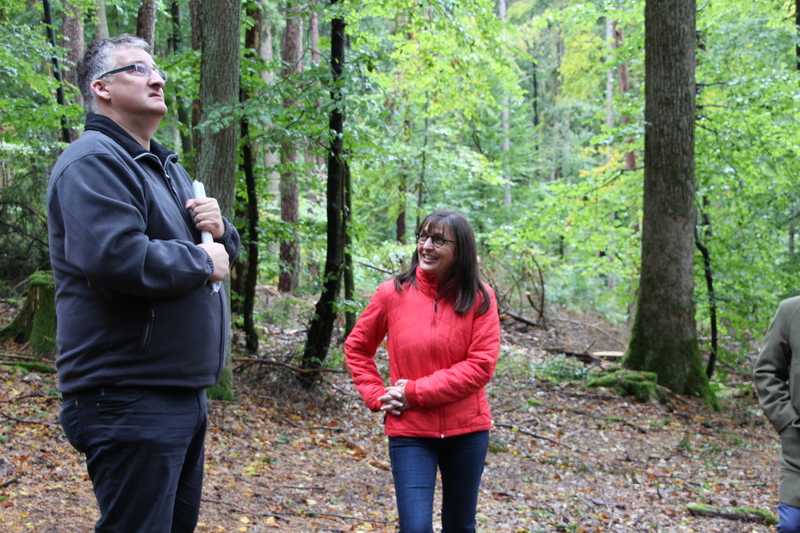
<point x="435" y="312"/>
<point x="167" y="180"/>
<point x="147" y="333"/>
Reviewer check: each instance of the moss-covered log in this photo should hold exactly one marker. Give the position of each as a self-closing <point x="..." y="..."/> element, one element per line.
<point x="642" y="385"/>
<point x="747" y="514"/>
<point x="36" y="321"/>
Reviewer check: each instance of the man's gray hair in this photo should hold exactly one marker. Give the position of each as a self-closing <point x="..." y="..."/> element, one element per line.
<point x="97" y="60"/>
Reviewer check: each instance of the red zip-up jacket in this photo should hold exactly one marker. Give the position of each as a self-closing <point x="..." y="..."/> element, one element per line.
<point x="447" y="358"/>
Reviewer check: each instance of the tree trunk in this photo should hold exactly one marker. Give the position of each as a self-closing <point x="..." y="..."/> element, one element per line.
<point x="664" y="336"/>
<point x="66" y="134"/>
<point x="624" y="89"/>
<point x="609" y="75"/>
<point x="195" y="13"/>
<point x="250" y="241"/>
<point x="219" y="86"/>
<point x="248" y="285"/>
<point x="349" y="281"/>
<point x="290" y="196"/>
<point x="146" y="22"/>
<point x="176" y="47"/>
<point x="314" y="161"/>
<point x="36" y="321"/>
<point x="73" y="45"/>
<point x="101" y="28"/>
<point x="400" y="222"/>
<point x="321" y="327"/>
<point x="505" y="119"/>
<point x="270" y="156"/>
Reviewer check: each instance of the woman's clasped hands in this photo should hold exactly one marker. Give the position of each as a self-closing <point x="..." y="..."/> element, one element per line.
<point x="395" y="400"/>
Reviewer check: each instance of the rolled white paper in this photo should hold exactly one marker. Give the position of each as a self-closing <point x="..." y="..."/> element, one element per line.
<point x="205" y="236"/>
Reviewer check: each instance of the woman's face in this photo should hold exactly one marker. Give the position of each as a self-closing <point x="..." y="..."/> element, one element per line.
<point x="436" y="261"/>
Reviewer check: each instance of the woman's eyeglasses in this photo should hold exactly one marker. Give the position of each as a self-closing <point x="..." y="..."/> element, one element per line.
<point x="438" y="240"/>
<point x="140" y="69"/>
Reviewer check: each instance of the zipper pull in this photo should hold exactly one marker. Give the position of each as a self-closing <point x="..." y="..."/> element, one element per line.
<point x="436" y="304"/>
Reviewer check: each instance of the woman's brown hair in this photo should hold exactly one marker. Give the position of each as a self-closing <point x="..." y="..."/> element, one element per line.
<point x="464" y="280"/>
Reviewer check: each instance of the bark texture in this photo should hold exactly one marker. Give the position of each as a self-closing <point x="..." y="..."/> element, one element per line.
<point x="146" y="22"/>
<point x="219" y="87"/>
<point x="289" y="191"/>
<point x="321" y="327"/>
<point x="664" y="336"/>
<point x="73" y="46"/>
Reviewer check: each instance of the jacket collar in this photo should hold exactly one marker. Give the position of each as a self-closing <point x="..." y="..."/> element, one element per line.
<point x="105" y="125"/>
<point x="428" y="283"/>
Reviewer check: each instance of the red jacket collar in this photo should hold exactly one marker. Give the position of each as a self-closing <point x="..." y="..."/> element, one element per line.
<point x="428" y="283"/>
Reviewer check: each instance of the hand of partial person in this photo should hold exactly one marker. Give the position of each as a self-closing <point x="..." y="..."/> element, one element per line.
<point x="207" y="216"/>
<point x="220" y="258"/>
<point x="394" y="401"/>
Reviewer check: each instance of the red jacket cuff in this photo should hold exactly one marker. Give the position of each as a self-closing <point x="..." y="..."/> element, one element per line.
<point x="411" y="393"/>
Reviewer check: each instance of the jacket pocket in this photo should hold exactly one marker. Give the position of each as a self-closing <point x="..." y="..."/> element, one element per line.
<point x="147" y="331"/>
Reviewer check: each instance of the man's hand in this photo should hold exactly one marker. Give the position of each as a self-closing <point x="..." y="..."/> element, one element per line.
<point x="207" y="216"/>
<point x="220" y="258"/>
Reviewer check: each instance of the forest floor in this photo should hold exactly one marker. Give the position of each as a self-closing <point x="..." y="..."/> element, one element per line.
<point x="563" y="457"/>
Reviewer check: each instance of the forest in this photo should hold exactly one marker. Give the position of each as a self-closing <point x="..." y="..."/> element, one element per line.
<point x="626" y="160"/>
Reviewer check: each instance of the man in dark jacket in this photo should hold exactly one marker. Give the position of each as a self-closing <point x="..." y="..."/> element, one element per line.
<point x="777" y="380"/>
<point x="142" y="331"/>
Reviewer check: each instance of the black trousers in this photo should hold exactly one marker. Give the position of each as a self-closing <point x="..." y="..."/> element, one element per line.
<point x="144" y="452"/>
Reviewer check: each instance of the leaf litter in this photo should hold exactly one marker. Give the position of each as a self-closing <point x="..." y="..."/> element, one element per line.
<point x="282" y="459"/>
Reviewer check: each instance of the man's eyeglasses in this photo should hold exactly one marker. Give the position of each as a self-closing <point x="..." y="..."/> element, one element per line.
<point x="438" y="240"/>
<point x="140" y="69"/>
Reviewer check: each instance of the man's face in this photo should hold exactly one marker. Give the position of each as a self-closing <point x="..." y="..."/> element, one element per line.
<point x="132" y="95"/>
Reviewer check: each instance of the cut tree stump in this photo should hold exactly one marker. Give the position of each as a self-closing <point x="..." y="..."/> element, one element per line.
<point x="36" y="321"/>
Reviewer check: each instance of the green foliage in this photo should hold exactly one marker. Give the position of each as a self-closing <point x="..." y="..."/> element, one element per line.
<point x="560" y="368"/>
<point x="224" y="390"/>
<point x="746" y="164"/>
<point x="423" y="89"/>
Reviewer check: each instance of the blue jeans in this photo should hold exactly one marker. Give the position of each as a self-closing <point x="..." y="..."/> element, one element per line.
<point x="144" y="452"/>
<point x="414" y="463"/>
<point x="788" y="519"/>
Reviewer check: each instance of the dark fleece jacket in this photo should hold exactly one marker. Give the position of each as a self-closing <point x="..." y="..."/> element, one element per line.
<point x="133" y="302"/>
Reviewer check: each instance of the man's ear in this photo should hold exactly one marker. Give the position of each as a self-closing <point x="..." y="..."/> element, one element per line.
<point x="100" y="90"/>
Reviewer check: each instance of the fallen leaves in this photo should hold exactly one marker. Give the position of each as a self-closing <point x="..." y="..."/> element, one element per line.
<point x="282" y="459"/>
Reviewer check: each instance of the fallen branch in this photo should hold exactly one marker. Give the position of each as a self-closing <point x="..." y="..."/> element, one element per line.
<point x="245" y="509"/>
<point x="581" y="356"/>
<point x="591" y="415"/>
<point x="607" y="504"/>
<point x="613" y="338"/>
<point x="379" y="269"/>
<point x="341" y="517"/>
<point x="255" y="360"/>
<point x="329" y="428"/>
<point x="537" y="436"/>
<point x="747" y="514"/>
<point x="21" y="421"/>
<point x="9" y="482"/>
<point x="519" y="318"/>
<point x="23" y="357"/>
<point x="26" y="396"/>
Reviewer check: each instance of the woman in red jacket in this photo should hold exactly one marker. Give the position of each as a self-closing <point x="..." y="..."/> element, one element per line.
<point x="444" y="339"/>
